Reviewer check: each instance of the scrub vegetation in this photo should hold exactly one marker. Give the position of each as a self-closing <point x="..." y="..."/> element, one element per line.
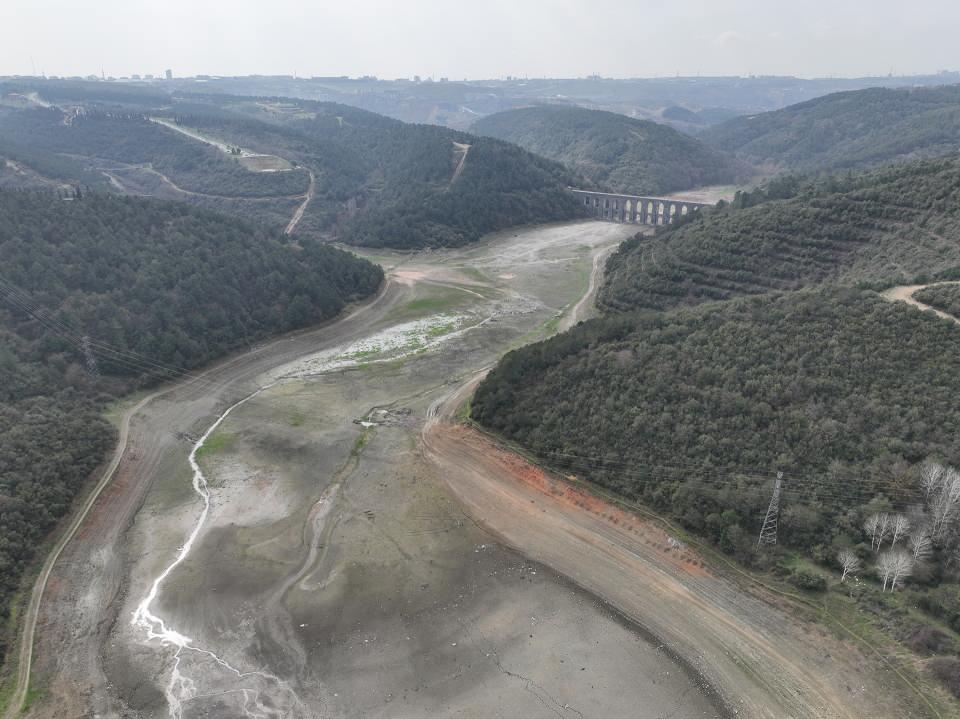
<point x="133" y="138"/>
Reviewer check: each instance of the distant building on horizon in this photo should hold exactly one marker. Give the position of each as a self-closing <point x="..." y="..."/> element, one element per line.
<point x="168" y="74"/>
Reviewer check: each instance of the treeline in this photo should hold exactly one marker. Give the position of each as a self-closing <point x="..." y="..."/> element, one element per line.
<point x="158" y="288"/>
<point x="847" y="130"/>
<point x="133" y="138"/>
<point x="694" y="411"/>
<point x="892" y="225"/>
<point x="615" y="152"/>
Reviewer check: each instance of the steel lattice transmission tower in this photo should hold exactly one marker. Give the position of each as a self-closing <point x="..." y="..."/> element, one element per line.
<point x="90" y="358"/>
<point x="768" y="533"/>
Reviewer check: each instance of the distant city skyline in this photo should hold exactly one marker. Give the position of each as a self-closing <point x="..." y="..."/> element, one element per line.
<point x="459" y="40"/>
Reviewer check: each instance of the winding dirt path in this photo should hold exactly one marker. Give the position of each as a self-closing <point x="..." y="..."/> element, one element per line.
<point x="905" y="293"/>
<point x="90" y="567"/>
<point x="298" y="214"/>
<point x="761" y="661"/>
<point x="25" y="653"/>
<point x="581" y="311"/>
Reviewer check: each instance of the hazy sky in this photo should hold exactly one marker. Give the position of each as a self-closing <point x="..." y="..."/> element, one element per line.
<point x="480" y="38"/>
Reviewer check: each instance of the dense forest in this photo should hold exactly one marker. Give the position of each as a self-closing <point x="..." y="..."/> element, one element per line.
<point x="615" y="152"/>
<point x="157" y="288"/>
<point x="943" y="297"/>
<point x="694" y="411"/>
<point x="500" y="186"/>
<point x="385" y="183"/>
<point x="134" y="139"/>
<point x="379" y="181"/>
<point x="748" y="340"/>
<point x="847" y="130"/>
<point x="891" y="225"/>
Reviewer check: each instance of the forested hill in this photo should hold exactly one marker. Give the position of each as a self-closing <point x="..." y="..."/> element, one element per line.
<point x="378" y="181"/>
<point x="847" y="130"/>
<point x="382" y="182"/>
<point x="692" y="411"/>
<point x="154" y="285"/>
<point x="178" y="284"/>
<point x="132" y="138"/>
<point x="891" y="225"/>
<point x="613" y="151"/>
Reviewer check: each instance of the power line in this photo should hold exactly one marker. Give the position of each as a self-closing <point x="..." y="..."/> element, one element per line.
<point x="815" y="490"/>
<point x="681" y="467"/>
<point x="87" y="346"/>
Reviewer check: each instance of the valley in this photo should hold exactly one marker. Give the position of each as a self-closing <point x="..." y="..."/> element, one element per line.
<point x="306" y="411"/>
<point x="335" y="526"/>
<point x="351" y="550"/>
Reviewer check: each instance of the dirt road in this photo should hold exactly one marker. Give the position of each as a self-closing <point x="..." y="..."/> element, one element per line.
<point x="298" y="215"/>
<point x="29" y="622"/>
<point x="762" y="663"/>
<point x="463" y="149"/>
<point x="905" y="293"/>
<point x="338" y="574"/>
<point x="374" y="599"/>
<point x="79" y="605"/>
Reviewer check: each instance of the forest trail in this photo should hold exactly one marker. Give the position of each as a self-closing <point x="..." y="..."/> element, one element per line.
<point x="582" y="310"/>
<point x="464" y="149"/>
<point x="120" y="489"/>
<point x="25" y="654"/>
<point x="298" y="214"/>
<point x="905" y="293"/>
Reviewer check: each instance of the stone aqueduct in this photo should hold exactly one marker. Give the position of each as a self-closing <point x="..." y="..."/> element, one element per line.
<point x="634" y="209"/>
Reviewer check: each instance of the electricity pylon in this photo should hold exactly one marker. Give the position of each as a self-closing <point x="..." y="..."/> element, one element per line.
<point x="768" y="533"/>
<point x="90" y="358"/>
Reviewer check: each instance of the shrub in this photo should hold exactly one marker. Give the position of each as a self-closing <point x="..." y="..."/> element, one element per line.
<point x="947" y="670"/>
<point x="808" y="581"/>
<point x="928" y="641"/>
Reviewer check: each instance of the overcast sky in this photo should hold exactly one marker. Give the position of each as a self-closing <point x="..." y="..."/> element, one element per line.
<point x="480" y="38"/>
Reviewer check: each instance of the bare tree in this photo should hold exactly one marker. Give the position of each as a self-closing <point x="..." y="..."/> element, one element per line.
<point x="944" y="502"/>
<point x="892" y="566"/>
<point x="885" y="568"/>
<point x="871" y="526"/>
<point x="919" y="543"/>
<point x="849" y="561"/>
<point x="902" y="567"/>
<point x="900" y="525"/>
<point x="931" y="474"/>
<point x="877" y="525"/>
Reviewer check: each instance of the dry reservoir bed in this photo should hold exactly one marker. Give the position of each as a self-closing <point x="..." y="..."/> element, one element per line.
<point x="314" y="563"/>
